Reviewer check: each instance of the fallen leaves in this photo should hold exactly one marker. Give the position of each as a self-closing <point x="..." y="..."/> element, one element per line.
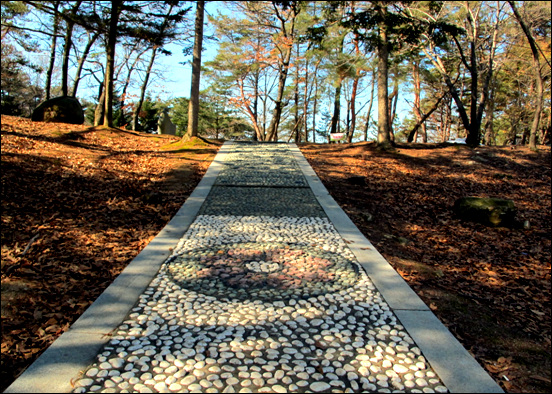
<point x="490" y="286"/>
<point x="78" y="204"/>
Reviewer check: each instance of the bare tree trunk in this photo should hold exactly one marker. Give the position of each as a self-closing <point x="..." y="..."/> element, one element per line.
<point x="256" y="107"/>
<point x="272" y="133"/>
<point x="297" y="127"/>
<point x="306" y="102"/>
<point x="129" y="74"/>
<point x="100" y="107"/>
<point x="384" y="138"/>
<point x="336" y="108"/>
<point x="421" y="120"/>
<point x="489" y="129"/>
<point x="81" y="62"/>
<point x="50" y="70"/>
<point x="193" y="109"/>
<point x="351" y="131"/>
<point x="110" y="62"/>
<point x="314" y="109"/>
<point x="384" y="135"/>
<point x="369" y="112"/>
<point x="417" y="101"/>
<point x="136" y="114"/>
<point x="67" y="50"/>
<point x="538" y="77"/>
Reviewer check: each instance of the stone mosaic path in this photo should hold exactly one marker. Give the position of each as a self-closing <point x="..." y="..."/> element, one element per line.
<point x="263" y="295"/>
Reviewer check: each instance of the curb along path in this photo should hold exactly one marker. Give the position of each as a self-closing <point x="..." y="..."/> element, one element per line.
<point x="263" y="294"/>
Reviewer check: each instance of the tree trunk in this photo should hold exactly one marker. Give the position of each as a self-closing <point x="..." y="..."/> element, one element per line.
<point x="413" y="135"/>
<point x="369" y="112"/>
<point x="256" y="107"/>
<point x="384" y="137"/>
<point x="272" y="132"/>
<point x="110" y="62"/>
<point x="81" y="62"/>
<point x="135" y="123"/>
<point x="336" y="107"/>
<point x="489" y="129"/>
<point x="306" y="102"/>
<point x="314" y="104"/>
<point x="50" y="70"/>
<point x="67" y="50"/>
<point x="193" y="109"/>
<point x="297" y="126"/>
<point x="538" y="77"/>
<point x="421" y="120"/>
<point x="351" y="131"/>
<point x="393" y="99"/>
<point x="100" y="108"/>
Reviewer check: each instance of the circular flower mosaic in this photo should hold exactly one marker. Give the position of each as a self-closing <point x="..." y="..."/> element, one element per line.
<point x="264" y="271"/>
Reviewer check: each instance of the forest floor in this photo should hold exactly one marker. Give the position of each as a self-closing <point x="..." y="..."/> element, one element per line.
<point x="79" y="203"/>
<point x="489" y="286"/>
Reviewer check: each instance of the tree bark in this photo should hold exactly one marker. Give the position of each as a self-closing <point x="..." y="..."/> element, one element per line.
<point x="50" y="70"/>
<point x="136" y="114"/>
<point x="336" y="108"/>
<point x="67" y="50"/>
<point x="369" y="112"/>
<point x="110" y="62"/>
<point x="384" y="138"/>
<point x="272" y="132"/>
<point x="538" y="77"/>
<point x="193" y="109"/>
<point x="422" y="119"/>
<point x="81" y="62"/>
<point x="100" y="108"/>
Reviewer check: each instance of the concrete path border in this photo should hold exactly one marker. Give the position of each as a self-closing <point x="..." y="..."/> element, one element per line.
<point x="77" y="348"/>
<point x="457" y="368"/>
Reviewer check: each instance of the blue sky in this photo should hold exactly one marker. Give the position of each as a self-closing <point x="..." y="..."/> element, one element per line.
<point x="178" y="76"/>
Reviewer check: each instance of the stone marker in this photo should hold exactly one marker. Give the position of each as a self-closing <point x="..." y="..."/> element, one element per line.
<point x="165" y="125"/>
<point x="489" y="211"/>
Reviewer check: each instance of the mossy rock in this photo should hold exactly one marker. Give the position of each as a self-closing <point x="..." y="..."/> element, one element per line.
<point x="493" y="212"/>
<point x="63" y="109"/>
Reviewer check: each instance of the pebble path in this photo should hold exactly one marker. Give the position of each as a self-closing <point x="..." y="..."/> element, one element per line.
<point x="261" y="295"/>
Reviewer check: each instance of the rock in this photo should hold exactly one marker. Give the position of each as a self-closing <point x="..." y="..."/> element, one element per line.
<point x="165" y="125"/>
<point x="59" y="109"/>
<point x="489" y="211"/>
<point x="319" y="387"/>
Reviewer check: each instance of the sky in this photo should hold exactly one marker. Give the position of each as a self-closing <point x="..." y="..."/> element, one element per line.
<point x="178" y="76"/>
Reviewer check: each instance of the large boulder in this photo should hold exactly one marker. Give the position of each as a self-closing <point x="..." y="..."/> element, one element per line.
<point x="489" y="211"/>
<point x="63" y="109"/>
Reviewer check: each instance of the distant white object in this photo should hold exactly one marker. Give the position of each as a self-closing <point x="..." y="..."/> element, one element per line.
<point x="337" y="136"/>
<point x="457" y="141"/>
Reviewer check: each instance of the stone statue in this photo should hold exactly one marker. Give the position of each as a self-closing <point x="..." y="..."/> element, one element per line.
<point x="165" y="125"/>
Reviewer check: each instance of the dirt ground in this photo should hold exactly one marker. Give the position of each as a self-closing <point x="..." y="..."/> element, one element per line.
<point x="489" y="286"/>
<point x="78" y="204"/>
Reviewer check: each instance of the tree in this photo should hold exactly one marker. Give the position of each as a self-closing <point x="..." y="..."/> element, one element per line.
<point x="476" y="43"/>
<point x="286" y="13"/>
<point x="18" y="94"/>
<point x="166" y="31"/>
<point x="193" y="111"/>
<point x="385" y="27"/>
<point x="116" y="9"/>
<point x="537" y="73"/>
